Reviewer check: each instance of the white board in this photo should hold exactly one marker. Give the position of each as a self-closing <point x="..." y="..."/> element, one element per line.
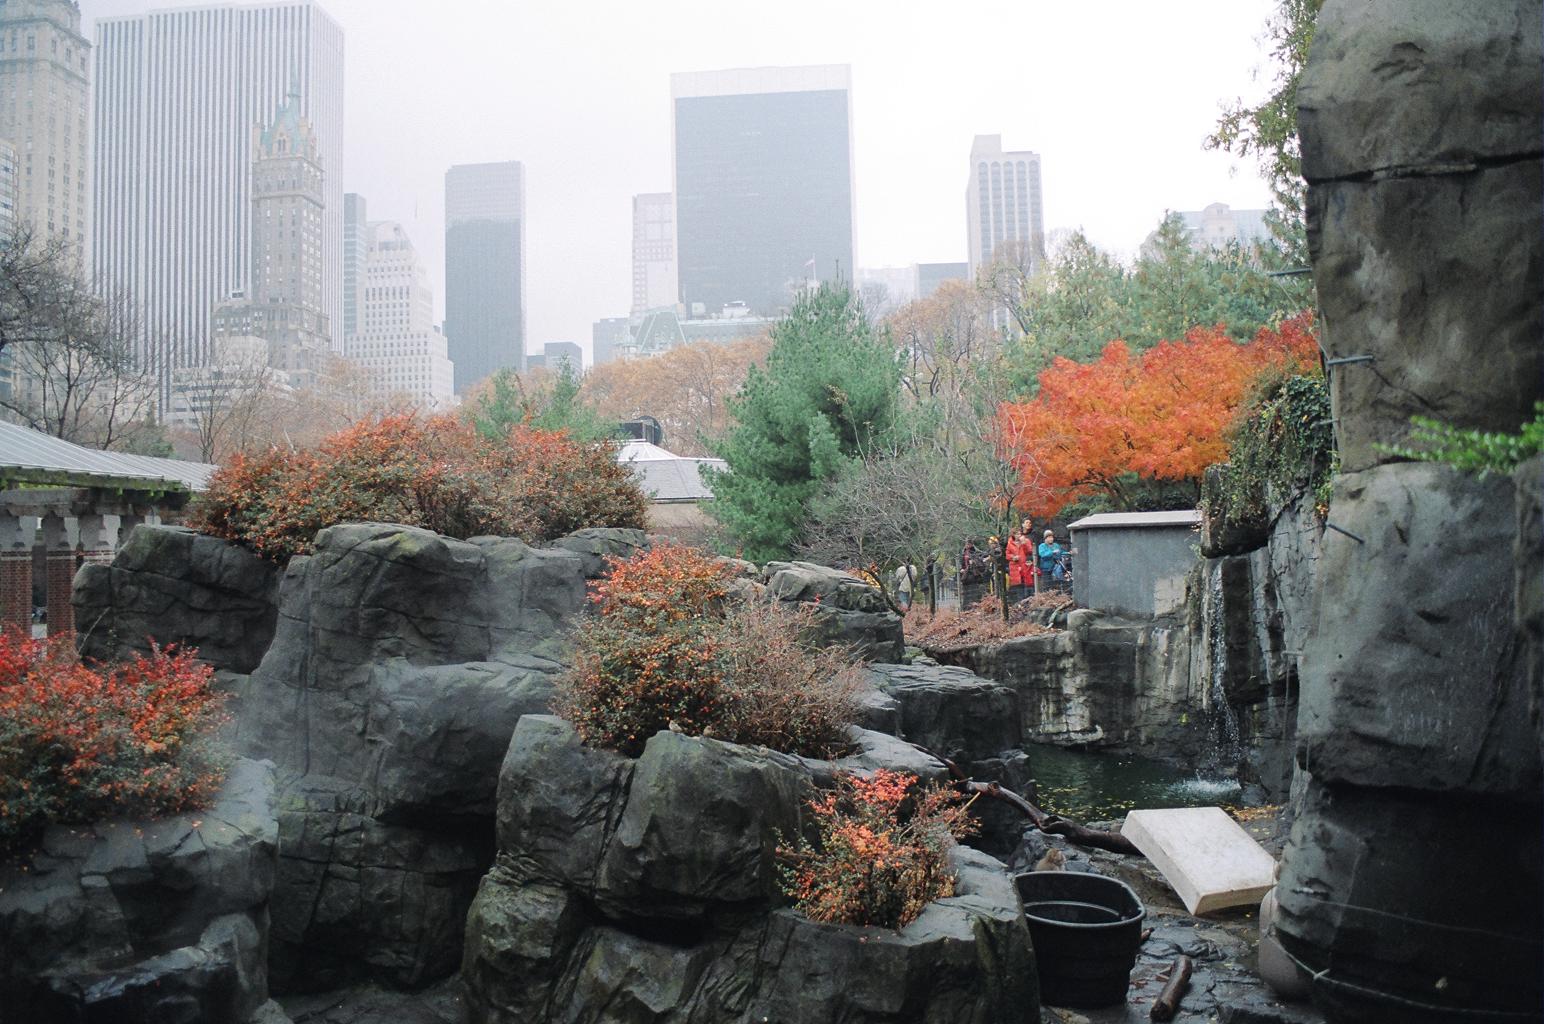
<point x="1210" y="861"/>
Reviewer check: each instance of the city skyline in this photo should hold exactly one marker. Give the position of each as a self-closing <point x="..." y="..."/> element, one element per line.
<point x="1121" y="141"/>
<point x="172" y="205"/>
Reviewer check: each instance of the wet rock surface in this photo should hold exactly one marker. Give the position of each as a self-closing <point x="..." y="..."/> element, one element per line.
<point x="153" y="921"/>
<point x="1225" y="986"/>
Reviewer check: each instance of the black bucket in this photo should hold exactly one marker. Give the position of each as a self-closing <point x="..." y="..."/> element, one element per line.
<point x="1087" y="930"/>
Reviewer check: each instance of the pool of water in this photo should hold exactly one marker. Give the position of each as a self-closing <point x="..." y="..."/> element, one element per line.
<point x="1086" y="786"/>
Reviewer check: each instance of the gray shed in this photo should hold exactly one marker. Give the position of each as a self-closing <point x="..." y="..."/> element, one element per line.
<point x="1134" y="563"/>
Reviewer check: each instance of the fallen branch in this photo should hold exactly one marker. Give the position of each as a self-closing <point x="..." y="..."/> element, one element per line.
<point x="1050" y="824"/>
<point x="1167" y="1003"/>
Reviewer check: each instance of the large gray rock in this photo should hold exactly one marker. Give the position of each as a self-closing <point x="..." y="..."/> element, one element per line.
<point x="848" y="610"/>
<point x="401" y="663"/>
<point x="597" y="544"/>
<point x="951" y="710"/>
<point x="1415" y="678"/>
<point x="172" y="585"/>
<point x="145" y="921"/>
<point x="1455" y="927"/>
<point x="680" y="921"/>
<point x="1420" y="139"/>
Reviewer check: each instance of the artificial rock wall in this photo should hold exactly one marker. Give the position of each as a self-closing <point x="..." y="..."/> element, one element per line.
<point x="1410" y="888"/>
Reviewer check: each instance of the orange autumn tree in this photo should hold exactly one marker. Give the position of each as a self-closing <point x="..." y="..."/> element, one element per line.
<point x="1162" y="415"/>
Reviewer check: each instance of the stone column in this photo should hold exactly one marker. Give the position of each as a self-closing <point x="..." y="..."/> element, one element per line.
<point x="98" y="538"/>
<point x="126" y="524"/>
<point x="59" y="544"/>
<point x="17" y="534"/>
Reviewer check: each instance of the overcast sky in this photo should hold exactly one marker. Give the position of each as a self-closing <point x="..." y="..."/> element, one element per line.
<point x="1116" y="96"/>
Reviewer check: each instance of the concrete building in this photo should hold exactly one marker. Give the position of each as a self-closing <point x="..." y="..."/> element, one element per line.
<point x="284" y="303"/>
<point x="9" y="168"/>
<point x="931" y="275"/>
<point x="45" y="114"/>
<point x="607" y="336"/>
<point x="237" y="371"/>
<point x="397" y="342"/>
<point x="660" y="330"/>
<point x="1003" y="214"/>
<point x="654" y="252"/>
<point x="356" y="250"/>
<point x="763" y="184"/>
<point x="1134" y="563"/>
<point x="485" y="268"/>
<point x="177" y="95"/>
<point x="1219" y="226"/>
<point x="556" y="353"/>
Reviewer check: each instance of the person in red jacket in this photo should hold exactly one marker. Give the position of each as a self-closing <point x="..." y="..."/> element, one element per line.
<point x="1020" y="564"/>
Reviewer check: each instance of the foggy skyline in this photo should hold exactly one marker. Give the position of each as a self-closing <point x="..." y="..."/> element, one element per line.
<point x="1115" y="97"/>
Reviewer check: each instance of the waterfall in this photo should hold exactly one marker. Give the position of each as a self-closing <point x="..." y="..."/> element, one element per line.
<point x="1227" y="750"/>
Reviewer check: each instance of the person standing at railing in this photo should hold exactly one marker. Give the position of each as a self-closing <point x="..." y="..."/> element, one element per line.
<point x="1050" y="561"/>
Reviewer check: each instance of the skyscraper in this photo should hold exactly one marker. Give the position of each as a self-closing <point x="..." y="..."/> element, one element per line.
<point x="1002" y="205"/>
<point x="283" y="305"/>
<point x="44" y="99"/>
<point x="654" y="254"/>
<point x="178" y="93"/>
<point x="485" y="268"/>
<point x="763" y="183"/>
<point x="356" y="249"/>
<point x="9" y="168"/>
<point x="396" y="340"/>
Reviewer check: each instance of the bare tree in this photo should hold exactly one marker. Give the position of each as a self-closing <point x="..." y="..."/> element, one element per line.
<point x="234" y="401"/>
<point x="75" y="369"/>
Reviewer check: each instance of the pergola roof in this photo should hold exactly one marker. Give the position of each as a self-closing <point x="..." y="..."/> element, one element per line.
<point x="30" y="457"/>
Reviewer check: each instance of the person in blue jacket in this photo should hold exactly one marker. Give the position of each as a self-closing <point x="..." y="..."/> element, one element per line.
<point x="1050" y="559"/>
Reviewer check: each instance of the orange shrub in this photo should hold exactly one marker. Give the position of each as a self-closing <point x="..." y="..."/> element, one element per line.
<point x="437" y="473"/>
<point x="79" y="743"/>
<point x="668" y="645"/>
<point x="882" y="853"/>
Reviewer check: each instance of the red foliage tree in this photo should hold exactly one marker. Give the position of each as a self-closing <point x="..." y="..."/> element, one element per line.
<point x="1162" y="415"/>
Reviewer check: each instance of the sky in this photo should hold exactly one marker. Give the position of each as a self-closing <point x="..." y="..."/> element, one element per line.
<point x="1115" y="95"/>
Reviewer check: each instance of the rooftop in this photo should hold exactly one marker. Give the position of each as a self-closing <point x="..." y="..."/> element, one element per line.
<point x="32" y="457"/>
<point x="666" y="476"/>
<point x="1189" y="518"/>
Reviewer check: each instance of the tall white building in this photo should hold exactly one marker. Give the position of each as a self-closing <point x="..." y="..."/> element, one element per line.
<point x="397" y="341"/>
<point x="178" y="95"/>
<point x="654" y="255"/>
<point x="45" y="115"/>
<point x="1003" y="203"/>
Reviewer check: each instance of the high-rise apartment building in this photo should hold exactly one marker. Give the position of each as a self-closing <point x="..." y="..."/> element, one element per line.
<point x="8" y="190"/>
<point x="283" y="305"/>
<point x="178" y="94"/>
<point x="654" y="255"/>
<point x="1003" y="215"/>
<point x="485" y="269"/>
<point x="45" y="115"/>
<point x="397" y="342"/>
<point x="607" y="336"/>
<point x="356" y="249"/>
<point x="763" y="184"/>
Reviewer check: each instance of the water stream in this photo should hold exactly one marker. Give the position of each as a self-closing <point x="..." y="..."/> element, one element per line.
<point x="1097" y="787"/>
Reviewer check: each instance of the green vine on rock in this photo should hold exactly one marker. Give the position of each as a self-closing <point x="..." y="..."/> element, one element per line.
<point x="1282" y="446"/>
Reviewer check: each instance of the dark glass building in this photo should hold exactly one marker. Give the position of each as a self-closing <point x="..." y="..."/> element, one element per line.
<point x="485" y="269"/>
<point x="763" y="184"/>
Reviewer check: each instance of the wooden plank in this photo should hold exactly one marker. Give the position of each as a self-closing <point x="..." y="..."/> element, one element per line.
<point x="1211" y="862"/>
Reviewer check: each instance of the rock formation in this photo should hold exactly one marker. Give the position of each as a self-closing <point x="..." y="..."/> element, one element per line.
<point x="648" y="887"/>
<point x="849" y="611"/>
<point x="163" y="920"/>
<point x="1421" y="143"/>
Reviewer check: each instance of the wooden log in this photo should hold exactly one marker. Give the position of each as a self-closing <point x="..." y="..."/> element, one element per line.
<point x="1167" y="1003"/>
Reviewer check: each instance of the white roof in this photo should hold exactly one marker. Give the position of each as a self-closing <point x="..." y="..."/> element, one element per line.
<point x="1188" y="518"/>
<point x="666" y="476"/>
<point x="26" y="449"/>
